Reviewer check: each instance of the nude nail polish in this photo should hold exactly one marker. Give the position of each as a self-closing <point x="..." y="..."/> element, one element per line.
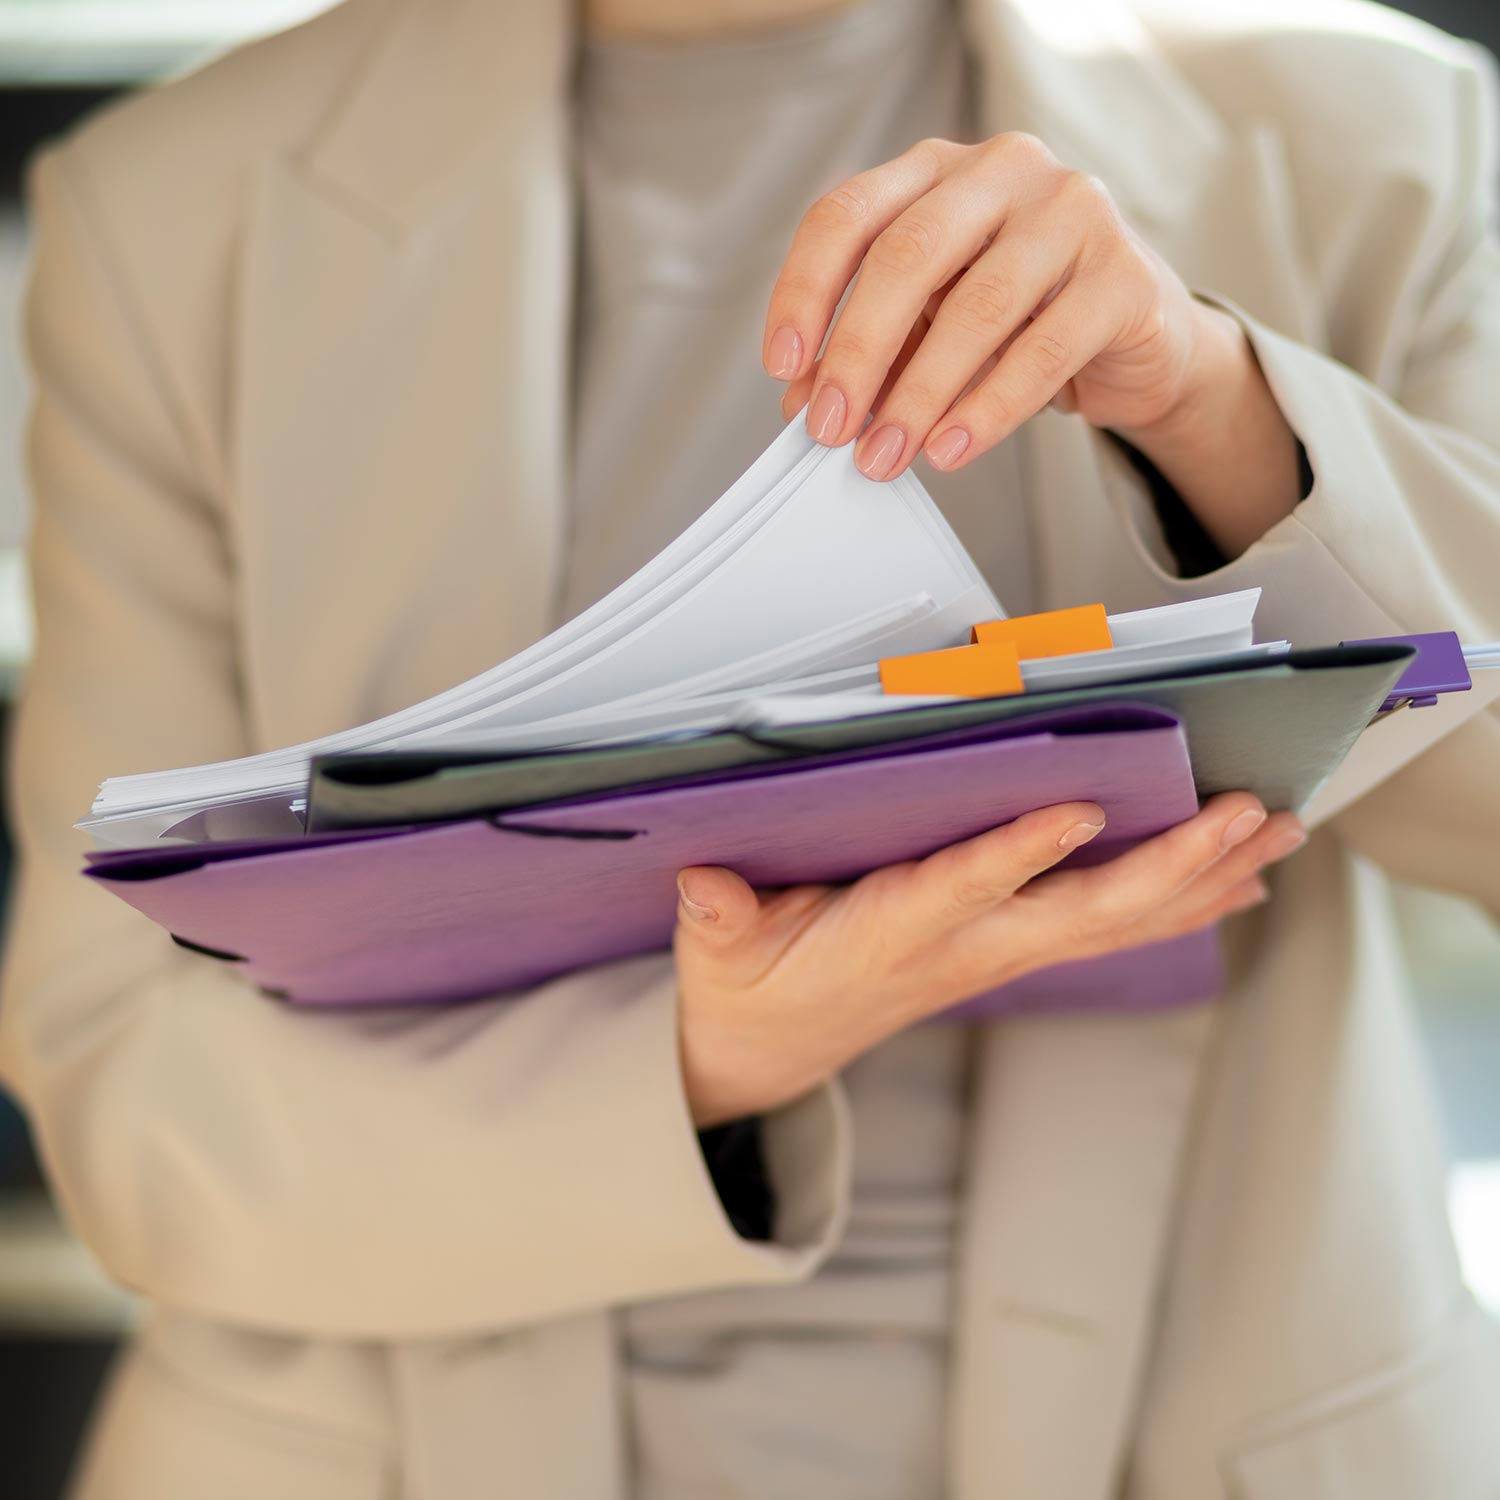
<point x="1256" y="895"/>
<point x="825" y="419"/>
<point x="784" y="353"/>
<point x="948" y="447"/>
<point x="1079" y="833"/>
<point x="1288" y="841"/>
<point x="1242" y="827"/>
<point x="695" y="909"/>
<point x="882" y="452"/>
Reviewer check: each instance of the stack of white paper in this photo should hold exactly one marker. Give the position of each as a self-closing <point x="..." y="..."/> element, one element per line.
<point x="788" y="590"/>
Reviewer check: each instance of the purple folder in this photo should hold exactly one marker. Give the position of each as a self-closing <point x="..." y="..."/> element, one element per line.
<point x="456" y="911"/>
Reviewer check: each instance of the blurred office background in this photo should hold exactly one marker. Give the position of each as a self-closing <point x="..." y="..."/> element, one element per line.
<point x="59" y="1317"/>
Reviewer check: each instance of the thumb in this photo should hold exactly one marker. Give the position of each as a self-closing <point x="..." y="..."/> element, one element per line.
<point x="714" y="905"/>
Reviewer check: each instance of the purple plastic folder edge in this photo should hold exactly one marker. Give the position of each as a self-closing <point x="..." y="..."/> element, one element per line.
<point x="462" y="910"/>
<point x="1439" y="667"/>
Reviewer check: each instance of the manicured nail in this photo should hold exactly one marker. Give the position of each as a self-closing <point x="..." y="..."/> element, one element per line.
<point x="1253" y="895"/>
<point x="882" y="452"/>
<point x="784" y="353"/>
<point x="1288" y="841"/>
<point x="695" y="909"/>
<point x="1242" y="827"/>
<point x="948" y="447"/>
<point x="825" y="420"/>
<point x="1079" y="833"/>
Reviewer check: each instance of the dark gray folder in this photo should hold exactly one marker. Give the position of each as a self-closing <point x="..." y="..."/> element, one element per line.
<point x="1278" y="730"/>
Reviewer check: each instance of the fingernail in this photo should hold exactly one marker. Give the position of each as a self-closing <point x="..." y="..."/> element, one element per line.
<point x="1289" y="841"/>
<point x="826" y="418"/>
<point x="882" y="452"/>
<point x="695" y="909"/>
<point x="947" y="448"/>
<point x="1242" y="827"/>
<point x="1079" y="833"/>
<point x="784" y="353"/>
<point x="1254" y="896"/>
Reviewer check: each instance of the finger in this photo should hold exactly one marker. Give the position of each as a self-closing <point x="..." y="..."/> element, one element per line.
<point x="1128" y="888"/>
<point x="797" y="393"/>
<point x="829" y="244"/>
<point x="1044" y="357"/>
<point x="923" y="248"/>
<point x="1216" y="890"/>
<point x="1243" y="895"/>
<point x="1058" y="916"/>
<point x="1066" y="399"/>
<point x="1183" y="915"/>
<point x="908" y="349"/>
<point x="1276" y="837"/>
<point x="1280" y="835"/>
<point x="794" y="397"/>
<point x="965" y="880"/>
<point x="913" y="341"/>
<point x="1032" y="256"/>
<point x="715" y="907"/>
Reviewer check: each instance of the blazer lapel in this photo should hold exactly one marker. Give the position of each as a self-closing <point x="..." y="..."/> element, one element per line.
<point x="1078" y="1132"/>
<point x="1211" y="196"/>
<point x="399" y="415"/>
<point x="1088" y="80"/>
<point x="1081" y="1124"/>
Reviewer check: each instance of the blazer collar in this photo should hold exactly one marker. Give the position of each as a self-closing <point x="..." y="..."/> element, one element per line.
<point x="446" y="82"/>
<point x="1089" y="79"/>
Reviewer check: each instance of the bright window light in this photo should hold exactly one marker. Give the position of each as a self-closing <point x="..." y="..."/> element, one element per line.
<point x="103" y="42"/>
<point x="1474" y="1207"/>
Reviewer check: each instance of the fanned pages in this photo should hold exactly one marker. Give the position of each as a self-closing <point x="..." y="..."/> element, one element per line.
<point x="789" y="589"/>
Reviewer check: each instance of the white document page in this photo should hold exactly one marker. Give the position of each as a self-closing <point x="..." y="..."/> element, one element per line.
<point x="801" y="545"/>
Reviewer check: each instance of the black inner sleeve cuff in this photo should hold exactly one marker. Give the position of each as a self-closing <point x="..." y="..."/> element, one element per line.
<point x="1193" y="550"/>
<point x="733" y="1155"/>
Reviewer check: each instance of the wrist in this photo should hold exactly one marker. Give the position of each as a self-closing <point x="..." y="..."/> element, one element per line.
<point x="1219" y="375"/>
<point x="1224" y="444"/>
<point x="737" y="1071"/>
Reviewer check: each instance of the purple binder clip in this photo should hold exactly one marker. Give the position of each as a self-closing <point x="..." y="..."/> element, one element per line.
<point x="1439" y="668"/>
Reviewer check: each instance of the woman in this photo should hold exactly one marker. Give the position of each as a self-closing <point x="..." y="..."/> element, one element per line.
<point x="330" y="415"/>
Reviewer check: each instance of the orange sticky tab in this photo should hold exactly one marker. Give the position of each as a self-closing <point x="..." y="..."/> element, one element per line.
<point x="1058" y="632"/>
<point x="985" y="671"/>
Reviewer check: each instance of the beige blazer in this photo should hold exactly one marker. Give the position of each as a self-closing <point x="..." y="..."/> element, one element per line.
<point x="297" y="325"/>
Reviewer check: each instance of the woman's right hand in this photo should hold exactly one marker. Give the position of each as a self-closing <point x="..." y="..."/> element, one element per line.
<point x="780" y="990"/>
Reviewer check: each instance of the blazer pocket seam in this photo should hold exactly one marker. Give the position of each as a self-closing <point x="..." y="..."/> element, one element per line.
<point x="250" y="1414"/>
<point x="1447" y="1339"/>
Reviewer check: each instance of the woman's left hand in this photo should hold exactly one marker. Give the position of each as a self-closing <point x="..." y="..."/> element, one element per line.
<point x="992" y="282"/>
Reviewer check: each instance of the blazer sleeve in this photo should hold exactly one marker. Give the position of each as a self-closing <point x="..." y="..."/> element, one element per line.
<point x="392" y="1174"/>
<point x="1400" y="531"/>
